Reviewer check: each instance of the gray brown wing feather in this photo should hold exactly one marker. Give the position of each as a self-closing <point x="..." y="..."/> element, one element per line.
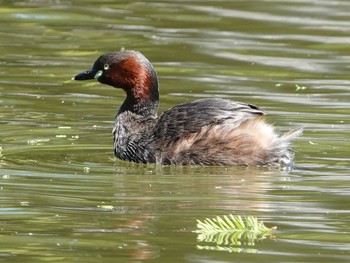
<point x="191" y="117"/>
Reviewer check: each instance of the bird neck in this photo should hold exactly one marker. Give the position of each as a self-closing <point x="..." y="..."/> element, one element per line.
<point x="142" y="100"/>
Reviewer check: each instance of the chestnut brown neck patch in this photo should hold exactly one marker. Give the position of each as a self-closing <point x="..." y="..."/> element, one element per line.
<point x="132" y="76"/>
<point x="137" y="77"/>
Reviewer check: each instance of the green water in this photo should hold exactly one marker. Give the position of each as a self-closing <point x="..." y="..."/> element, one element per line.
<point x="65" y="198"/>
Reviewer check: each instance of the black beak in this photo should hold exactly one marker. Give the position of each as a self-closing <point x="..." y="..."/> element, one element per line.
<point x="89" y="74"/>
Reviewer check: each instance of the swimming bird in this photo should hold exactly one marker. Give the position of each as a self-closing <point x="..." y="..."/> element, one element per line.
<point x="209" y="131"/>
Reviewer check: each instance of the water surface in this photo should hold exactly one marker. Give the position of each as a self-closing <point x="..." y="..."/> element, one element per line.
<point x="65" y="198"/>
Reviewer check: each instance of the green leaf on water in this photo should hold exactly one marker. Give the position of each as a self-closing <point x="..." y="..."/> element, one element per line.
<point x="233" y="230"/>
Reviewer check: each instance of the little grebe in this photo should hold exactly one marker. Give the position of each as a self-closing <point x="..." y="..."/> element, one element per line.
<point x="200" y="132"/>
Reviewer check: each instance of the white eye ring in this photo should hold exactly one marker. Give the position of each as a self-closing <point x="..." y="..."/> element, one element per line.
<point x="106" y="66"/>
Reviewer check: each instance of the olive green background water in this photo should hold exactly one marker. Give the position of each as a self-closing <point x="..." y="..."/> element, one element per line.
<point x="65" y="198"/>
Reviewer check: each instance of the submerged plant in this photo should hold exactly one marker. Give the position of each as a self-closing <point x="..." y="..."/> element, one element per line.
<point x="232" y="230"/>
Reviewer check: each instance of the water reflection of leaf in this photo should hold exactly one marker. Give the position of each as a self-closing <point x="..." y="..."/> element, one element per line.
<point x="231" y="233"/>
<point x="228" y="249"/>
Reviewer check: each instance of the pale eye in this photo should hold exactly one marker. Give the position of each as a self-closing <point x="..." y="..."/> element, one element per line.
<point x="106" y="66"/>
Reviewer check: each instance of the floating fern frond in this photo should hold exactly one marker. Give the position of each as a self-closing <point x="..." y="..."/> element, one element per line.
<point x="232" y="230"/>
